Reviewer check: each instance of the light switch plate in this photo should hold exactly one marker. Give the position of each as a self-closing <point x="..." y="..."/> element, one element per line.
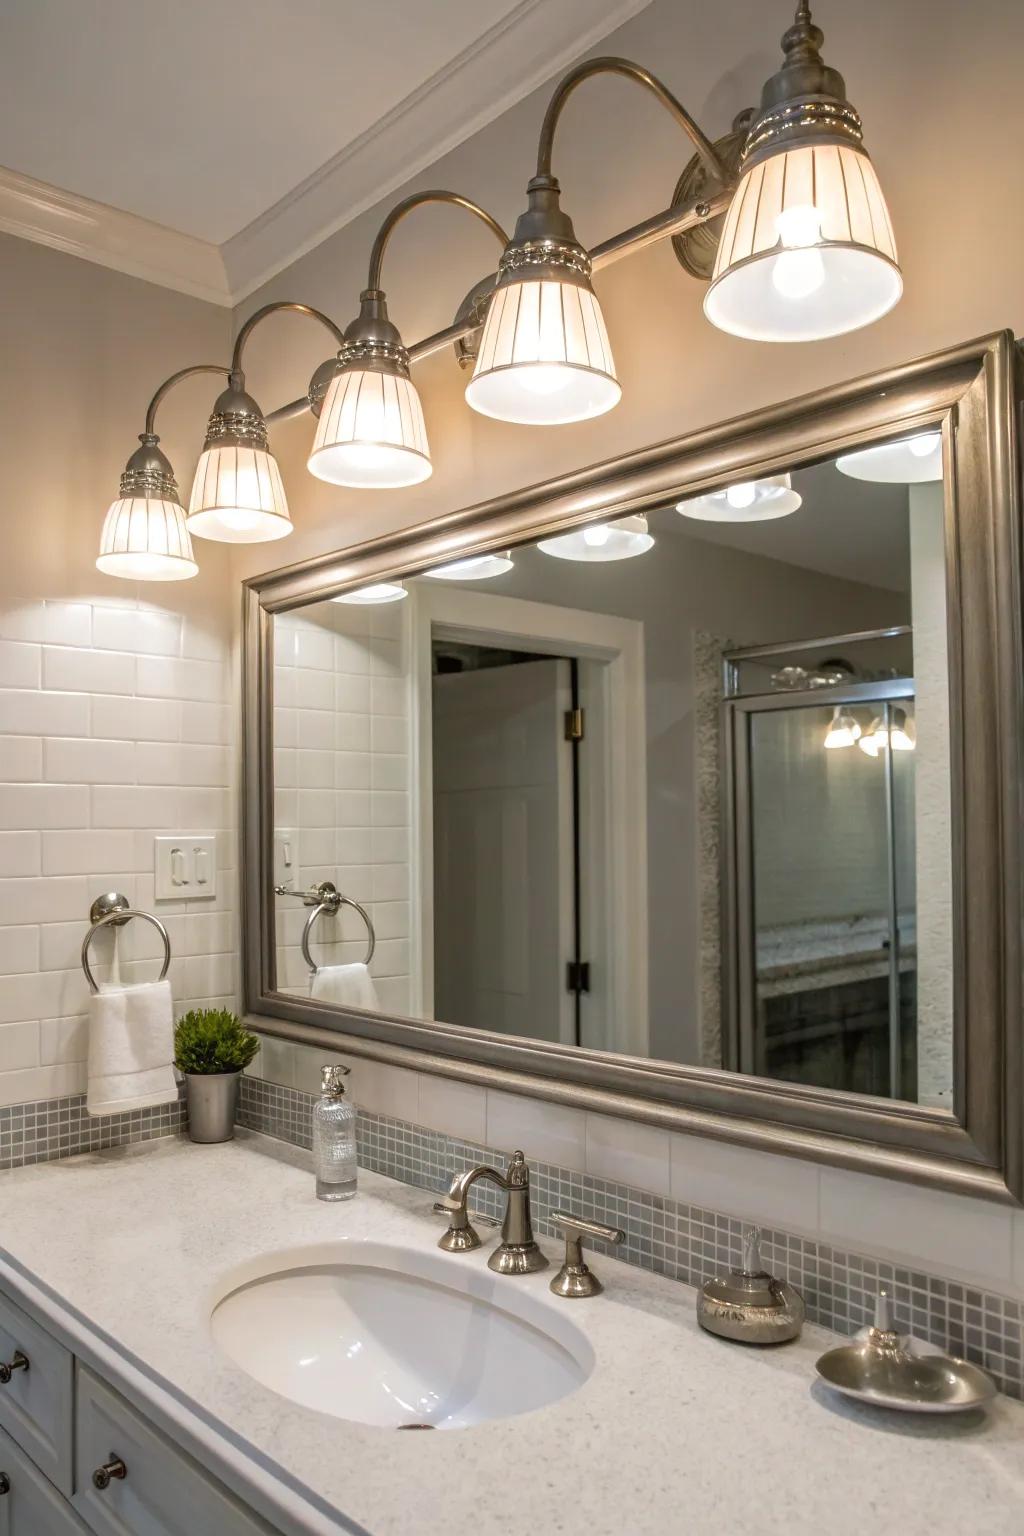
<point x="185" y="866"/>
<point x="286" y="858"/>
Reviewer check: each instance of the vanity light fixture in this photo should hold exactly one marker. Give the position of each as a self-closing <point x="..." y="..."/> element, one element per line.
<point x="807" y="250"/>
<point x="377" y="592"/>
<point x="910" y="461"/>
<point x="473" y="568"/>
<point x="620" y="540"/>
<point x="899" y="734"/>
<point x="843" y="731"/>
<point x="748" y="501"/>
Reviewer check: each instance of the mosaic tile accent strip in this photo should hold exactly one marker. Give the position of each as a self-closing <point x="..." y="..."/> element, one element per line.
<point x="51" y="1128"/>
<point x="680" y="1241"/>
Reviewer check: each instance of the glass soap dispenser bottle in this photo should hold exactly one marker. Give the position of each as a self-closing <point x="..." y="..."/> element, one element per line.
<point x="334" y="1137"/>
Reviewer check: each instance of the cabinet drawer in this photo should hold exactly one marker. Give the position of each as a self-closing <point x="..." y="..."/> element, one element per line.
<point x="163" y="1493"/>
<point x="31" y="1506"/>
<point x="36" y="1404"/>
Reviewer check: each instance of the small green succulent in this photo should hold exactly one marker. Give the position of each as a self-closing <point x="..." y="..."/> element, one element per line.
<point x="212" y="1040"/>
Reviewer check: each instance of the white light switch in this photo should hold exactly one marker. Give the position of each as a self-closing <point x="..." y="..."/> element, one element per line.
<point x="286" y="858"/>
<point x="185" y="867"/>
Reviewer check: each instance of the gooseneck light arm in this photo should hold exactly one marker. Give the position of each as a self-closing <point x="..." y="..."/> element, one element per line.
<point x="273" y="309"/>
<point x="419" y="200"/>
<point x="168" y="385"/>
<point x="625" y="67"/>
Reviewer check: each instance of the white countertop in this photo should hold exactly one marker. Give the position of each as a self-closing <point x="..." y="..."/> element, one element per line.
<point x="674" y="1431"/>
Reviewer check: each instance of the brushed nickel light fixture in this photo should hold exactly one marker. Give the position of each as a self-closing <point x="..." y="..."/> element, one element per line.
<point x="783" y="214"/>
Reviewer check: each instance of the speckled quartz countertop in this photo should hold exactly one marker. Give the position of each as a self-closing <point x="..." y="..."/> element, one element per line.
<point x="674" y="1431"/>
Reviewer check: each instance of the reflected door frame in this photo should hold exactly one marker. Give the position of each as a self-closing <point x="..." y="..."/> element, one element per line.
<point x="618" y="902"/>
<point x="739" y="937"/>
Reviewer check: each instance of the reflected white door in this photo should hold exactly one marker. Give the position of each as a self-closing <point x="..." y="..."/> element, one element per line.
<point x="503" y="869"/>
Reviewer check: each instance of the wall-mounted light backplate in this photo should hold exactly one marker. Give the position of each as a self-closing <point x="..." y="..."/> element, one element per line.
<point x="185" y="867"/>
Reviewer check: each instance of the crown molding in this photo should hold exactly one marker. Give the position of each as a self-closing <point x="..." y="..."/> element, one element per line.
<point x="66" y="222"/>
<point x="535" y="41"/>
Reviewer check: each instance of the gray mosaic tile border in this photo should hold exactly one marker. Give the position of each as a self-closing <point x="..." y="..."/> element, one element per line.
<point x="681" y="1241"/>
<point x="51" y="1128"/>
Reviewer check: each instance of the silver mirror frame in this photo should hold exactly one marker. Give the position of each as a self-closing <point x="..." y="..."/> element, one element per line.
<point x="972" y="393"/>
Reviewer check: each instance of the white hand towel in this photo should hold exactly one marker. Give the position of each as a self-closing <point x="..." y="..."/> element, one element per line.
<point x="349" y="986"/>
<point x="131" y="1048"/>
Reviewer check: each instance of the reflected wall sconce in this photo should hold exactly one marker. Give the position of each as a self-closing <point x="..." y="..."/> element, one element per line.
<point x="621" y="540"/>
<point x="473" y="568"/>
<point x="748" y="501"/>
<point x="371" y="596"/>
<point x="898" y="734"/>
<point x="911" y="461"/>
<point x="787" y="204"/>
<point x="843" y="730"/>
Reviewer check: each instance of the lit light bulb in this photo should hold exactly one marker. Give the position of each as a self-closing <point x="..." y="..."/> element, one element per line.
<point x="799" y="271"/>
<point x="597" y="537"/>
<point x="742" y="495"/>
<point x="544" y="379"/>
<point x="924" y="446"/>
<point x="843" y="730"/>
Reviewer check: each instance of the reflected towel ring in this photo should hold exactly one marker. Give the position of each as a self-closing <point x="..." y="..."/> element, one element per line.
<point x="113" y="911"/>
<point x="331" y="900"/>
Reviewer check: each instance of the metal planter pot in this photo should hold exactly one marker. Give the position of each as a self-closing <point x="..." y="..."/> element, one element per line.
<point x="212" y="1098"/>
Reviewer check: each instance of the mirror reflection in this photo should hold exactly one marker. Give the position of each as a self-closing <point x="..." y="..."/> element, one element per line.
<point x="676" y="786"/>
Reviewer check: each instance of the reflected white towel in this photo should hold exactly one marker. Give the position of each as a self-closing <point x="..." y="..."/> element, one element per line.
<point x="349" y="986"/>
<point x="131" y="1048"/>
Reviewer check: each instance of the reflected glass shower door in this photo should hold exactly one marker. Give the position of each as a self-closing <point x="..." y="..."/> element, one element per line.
<point x="829" y="997"/>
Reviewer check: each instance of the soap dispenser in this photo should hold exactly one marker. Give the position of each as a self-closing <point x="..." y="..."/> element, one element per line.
<point x="334" y="1137"/>
<point x="749" y="1304"/>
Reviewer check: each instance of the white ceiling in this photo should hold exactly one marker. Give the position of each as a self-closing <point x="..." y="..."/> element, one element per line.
<point x="200" y="115"/>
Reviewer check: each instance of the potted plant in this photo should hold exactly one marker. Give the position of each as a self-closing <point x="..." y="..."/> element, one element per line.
<point x="211" y="1048"/>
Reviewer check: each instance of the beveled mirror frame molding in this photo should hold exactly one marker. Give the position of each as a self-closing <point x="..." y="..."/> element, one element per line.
<point x="972" y="393"/>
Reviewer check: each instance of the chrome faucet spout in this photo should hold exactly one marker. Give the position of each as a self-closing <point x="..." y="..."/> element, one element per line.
<point x="517" y="1253"/>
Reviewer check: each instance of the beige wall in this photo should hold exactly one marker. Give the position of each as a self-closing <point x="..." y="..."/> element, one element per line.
<point x="938" y="89"/>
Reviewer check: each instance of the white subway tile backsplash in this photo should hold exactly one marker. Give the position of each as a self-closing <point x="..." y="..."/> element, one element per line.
<point x="772" y="1191"/>
<point x="22" y="1087"/>
<point x="44" y="805"/>
<point x="145" y="632"/>
<point x="56" y="622"/>
<point x="43" y="901"/>
<point x="63" y="1040"/>
<point x="168" y="677"/>
<point x="85" y="760"/>
<point x="552" y="1133"/>
<point x="133" y="806"/>
<point x="19" y="951"/>
<point x="19" y="1046"/>
<point x="23" y="713"/>
<point x="205" y="722"/>
<point x="20" y="664"/>
<point x="351" y="696"/>
<point x="74" y="852"/>
<point x="460" y="1109"/>
<point x="136" y="719"/>
<point x="80" y="671"/>
<point x="20" y="853"/>
<point x="22" y="759"/>
<point x="389" y="733"/>
<point x="629" y="1152"/>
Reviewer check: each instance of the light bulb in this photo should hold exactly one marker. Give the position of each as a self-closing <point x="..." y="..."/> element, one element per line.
<point x="843" y="731"/>
<point x="544" y="379"/>
<point x="742" y="495"/>
<point x="597" y="537"/>
<point x="602" y="542"/>
<point x="926" y="444"/>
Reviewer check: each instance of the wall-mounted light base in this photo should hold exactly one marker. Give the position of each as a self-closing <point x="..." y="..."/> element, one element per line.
<point x="695" y="248"/>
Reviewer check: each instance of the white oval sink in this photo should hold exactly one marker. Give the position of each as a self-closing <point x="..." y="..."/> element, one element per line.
<point x="397" y="1338"/>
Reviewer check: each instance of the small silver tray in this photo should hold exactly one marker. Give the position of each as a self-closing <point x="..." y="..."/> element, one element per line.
<point x="883" y="1369"/>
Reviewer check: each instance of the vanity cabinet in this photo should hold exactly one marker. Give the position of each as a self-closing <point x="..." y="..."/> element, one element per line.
<point x="60" y="1423"/>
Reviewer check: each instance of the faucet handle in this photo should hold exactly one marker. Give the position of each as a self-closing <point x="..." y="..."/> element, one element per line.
<point x="574" y="1279"/>
<point x="460" y="1237"/>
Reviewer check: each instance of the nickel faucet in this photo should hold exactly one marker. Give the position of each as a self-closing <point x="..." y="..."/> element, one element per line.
<point x="517" y="1253"/>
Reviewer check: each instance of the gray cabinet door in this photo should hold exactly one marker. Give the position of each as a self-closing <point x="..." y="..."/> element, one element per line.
<point x="31" y="1506"/>
<point x="36" y="1404"/>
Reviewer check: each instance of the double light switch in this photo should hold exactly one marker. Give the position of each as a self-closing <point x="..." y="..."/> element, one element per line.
<point x="185" y="867"/>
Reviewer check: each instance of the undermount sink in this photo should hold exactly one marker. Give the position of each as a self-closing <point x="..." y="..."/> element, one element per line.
<point x="396" y="1338"/>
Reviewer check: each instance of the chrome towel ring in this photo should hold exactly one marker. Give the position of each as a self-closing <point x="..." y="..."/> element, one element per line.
<point x="329" y="899"/>
<point x="111" y="911"/>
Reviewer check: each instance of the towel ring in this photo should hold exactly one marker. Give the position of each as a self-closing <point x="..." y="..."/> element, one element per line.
<point x="113" y="911"/>
<point x="331" y="900"/>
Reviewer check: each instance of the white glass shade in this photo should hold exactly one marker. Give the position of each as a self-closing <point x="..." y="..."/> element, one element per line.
<point x="371" y="434"/>
<point x="900" y="735"/>
<point x="748" y="501"/>
<point x="807" y="249"/>
<point x="620" y="540"/>
<point x="237" y="496"/>
<point x="379" y="592"/>
<point x="843" y="731"/>
<point x="544" y="357"/>
<point x="473" y="568"/>
<point x="911" y="461"/>
<point x="145" y="539"/>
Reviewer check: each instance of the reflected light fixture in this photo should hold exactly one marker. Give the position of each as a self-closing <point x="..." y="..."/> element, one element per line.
<point x="144" y="535"/>
<point x="237" y="494"/>
<point x="911" y="461"/>
<point x="843" y="731"/>
<point x="749" y="501"/>
<point x="620" y="540"/>
<point x="377" y="592"/>
<point x="807" y="249"/>
<point x="900" y="734"/>
<point x="473" y="568"/>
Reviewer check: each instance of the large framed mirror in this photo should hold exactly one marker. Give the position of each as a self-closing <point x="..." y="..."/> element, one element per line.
<point x="686" y="787"/>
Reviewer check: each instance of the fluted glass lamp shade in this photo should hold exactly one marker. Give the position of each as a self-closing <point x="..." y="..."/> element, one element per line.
<point x="238" y="497"/>
<point x="145" y="539"/>
<point x="144" y="535"/>
<point x="545" y="358"/>
<point x="911" y="461"/>
<point x="748" y="501"/>
<point x="621" y="540"/>
<point x="473" y="568"/>
<point x="371" y="432"/>
<point x="377" y="592"/>
<point x="807" y="249"/>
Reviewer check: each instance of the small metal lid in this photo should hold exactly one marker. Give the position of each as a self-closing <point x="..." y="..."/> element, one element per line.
<point x="749" y="1286"/>
<point x="332" y="1080"/>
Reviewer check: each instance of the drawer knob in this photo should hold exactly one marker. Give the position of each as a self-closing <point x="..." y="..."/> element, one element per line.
<point x="103" y="1476"/>
<point x="5" y="1484"/>
<point x="7" y="1370"/>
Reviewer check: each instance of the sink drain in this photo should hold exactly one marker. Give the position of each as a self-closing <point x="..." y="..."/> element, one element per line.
<point x="417" y="1426"/>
